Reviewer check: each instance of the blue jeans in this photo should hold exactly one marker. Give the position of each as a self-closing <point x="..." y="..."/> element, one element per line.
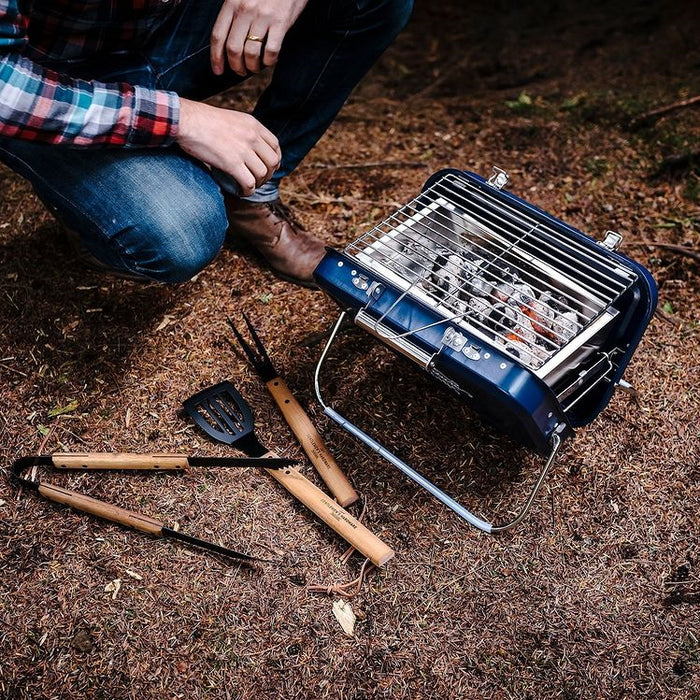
<point x="159" y="214"/>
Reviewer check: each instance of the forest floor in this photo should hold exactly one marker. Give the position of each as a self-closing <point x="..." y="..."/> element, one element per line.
<point x="595" y="595"/>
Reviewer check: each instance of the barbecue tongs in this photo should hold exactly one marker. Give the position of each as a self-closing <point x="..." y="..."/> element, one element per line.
<point x="140" y="462"/>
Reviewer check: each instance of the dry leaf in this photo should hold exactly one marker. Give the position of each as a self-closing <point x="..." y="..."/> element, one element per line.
<point x="60" y="410"/>
<point x="133" y="574"/>
<point x="113" y="587"/>
<point x="345" y="616"/>
<point x="167" y="320"/>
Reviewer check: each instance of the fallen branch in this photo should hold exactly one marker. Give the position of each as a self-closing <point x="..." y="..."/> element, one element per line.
<point x="680" y="249"/>
<point x="666" y="317"/>
<point x="648" y="118"/>
<point x="677" y="162"/>
<point x="365" y="166"/>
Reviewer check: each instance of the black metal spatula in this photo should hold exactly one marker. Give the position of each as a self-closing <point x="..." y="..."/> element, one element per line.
<point x="225" y="415"/>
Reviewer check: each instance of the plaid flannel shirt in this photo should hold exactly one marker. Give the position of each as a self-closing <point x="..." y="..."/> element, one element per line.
<point x="39" y="104"/>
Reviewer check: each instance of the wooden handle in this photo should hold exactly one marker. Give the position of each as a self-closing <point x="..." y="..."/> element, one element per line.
<point x="100" y="508"/>
<point x="118" y="460"/>
<point x="337" y="518"/>
<point x="312" y="443"/>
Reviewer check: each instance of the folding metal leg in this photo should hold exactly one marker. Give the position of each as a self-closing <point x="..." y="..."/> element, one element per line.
<point x="465" y="514"/>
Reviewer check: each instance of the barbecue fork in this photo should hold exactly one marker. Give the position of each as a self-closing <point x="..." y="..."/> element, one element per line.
<point x="297" y="419"/>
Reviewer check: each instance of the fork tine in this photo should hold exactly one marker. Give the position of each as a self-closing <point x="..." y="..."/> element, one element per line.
<point x="256" y="338"/>
<point x="250" y="354"/>
<point x="260" y="359"/>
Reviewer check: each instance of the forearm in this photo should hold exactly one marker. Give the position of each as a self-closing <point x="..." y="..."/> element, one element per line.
<point x="37" y="104"/>
<point x="40" y="105"/>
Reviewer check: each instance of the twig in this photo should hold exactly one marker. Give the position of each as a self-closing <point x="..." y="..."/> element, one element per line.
<point x="12" y="369"/>
<point x="667" y="317"/>
<point x="365" y="166"/>
<point x="446" y="75"/>
<point x="676" y="163"/>
<point x="46" y="439"/>
<point x="680" y="249"/>
<point x="653" y="115"/>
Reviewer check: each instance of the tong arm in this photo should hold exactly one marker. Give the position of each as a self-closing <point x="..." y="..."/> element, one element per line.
<point x="118" y="460"/>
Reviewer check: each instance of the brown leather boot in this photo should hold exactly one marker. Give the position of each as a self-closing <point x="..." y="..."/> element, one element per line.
<point x="290" y="250"/>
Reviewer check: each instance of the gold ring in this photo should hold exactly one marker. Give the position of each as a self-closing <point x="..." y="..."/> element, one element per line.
<point x="252" y="37"/>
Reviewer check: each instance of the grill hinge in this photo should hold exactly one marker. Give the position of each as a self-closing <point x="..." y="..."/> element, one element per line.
<point x="611" y="241"/>
<point x="499" y="178"/>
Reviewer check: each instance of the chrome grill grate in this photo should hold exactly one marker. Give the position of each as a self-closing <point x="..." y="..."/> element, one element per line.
<point x="507" y="277"/>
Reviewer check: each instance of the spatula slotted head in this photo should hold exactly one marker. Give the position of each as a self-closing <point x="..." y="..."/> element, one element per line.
<point x="222" y="413"/>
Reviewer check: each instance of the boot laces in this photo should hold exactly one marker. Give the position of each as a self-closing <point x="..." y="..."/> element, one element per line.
<point x="282" y="211"/>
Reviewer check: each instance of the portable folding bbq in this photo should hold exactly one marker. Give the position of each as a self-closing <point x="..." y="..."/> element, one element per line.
<point x="525" y="318"/>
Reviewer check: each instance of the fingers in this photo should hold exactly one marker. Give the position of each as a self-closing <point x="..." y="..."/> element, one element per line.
<point x="258" y="167"/>
<point x="271" y="141"/>
<point x="251" y="174"/>
<point x="234" y="142"/>
<point x="231" y="43"/>
<point x="219" y="37"/>
<point x="248" y="34"/>
<point x="271" y="158"/>
<point x="252" y="49"/>
<point x="273" y="44"/>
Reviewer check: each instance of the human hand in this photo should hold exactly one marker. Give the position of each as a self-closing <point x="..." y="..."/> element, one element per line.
<point x="234" y="142"/>
<point x="238" y="20"/>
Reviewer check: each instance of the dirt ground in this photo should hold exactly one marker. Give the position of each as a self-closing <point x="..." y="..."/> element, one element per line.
<point x="595" y="595"/>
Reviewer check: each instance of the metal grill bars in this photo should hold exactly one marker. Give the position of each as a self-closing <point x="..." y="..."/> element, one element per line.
<point x="455" y="244"/>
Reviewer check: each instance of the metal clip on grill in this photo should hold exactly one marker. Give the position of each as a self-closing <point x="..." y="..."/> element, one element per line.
<point x="525" y="318"/>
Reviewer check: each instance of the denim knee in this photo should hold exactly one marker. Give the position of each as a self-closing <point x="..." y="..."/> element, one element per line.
<point x="174" y="246"/>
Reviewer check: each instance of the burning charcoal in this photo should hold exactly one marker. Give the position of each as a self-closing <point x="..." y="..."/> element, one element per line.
<point x="506" y="286"/>
<point x="518" y="350"/>
<point x="455" y="265"/>
<point x="524" y="330"/>
<point x="531" y="355"/>
<point x="480" y="287"/>
<point x="557" y="302"/>
<point x="512" y="347"/>
<point x="470" y="265"/>
<point x="479" y="309"/>
<point x="541" y="316"/>
<point x="503" y="291"/>
<point x="567" y="326"/>
<point x="503" y="318"/>
<point x="459" y="306"/>
<point x="446" y="271"/>
<point x="476" y="283"/>
<point x="539" y="354"/>
<point x="523" y="294"/>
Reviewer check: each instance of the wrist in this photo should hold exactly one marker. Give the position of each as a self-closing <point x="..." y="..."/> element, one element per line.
<point x="189" y="116"/>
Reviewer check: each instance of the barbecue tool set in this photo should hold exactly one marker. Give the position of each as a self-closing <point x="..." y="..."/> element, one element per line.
<point x="526" y="319"/>
<point x="225" y="416"/>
